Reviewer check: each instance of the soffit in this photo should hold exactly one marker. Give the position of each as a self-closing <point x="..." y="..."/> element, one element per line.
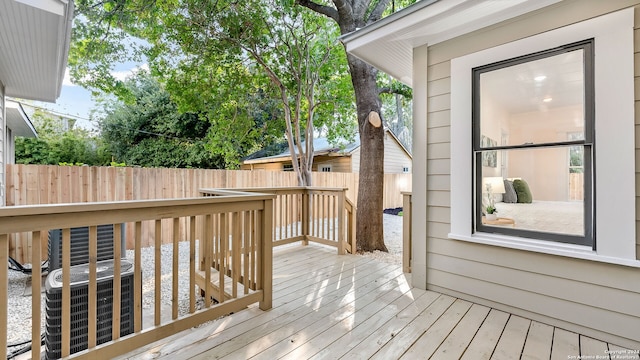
<point x="388" y="44"/>
<point x="34" y="45"/>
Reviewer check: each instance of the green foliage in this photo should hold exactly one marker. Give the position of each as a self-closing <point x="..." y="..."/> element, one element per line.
<point x="151" y="132"/>
<point x="55" y="145"/>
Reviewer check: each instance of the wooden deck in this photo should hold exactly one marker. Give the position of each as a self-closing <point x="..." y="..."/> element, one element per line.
<point x="327" y="306"/>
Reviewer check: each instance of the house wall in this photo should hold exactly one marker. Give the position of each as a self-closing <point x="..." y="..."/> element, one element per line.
<point x="355" y="160"/>
<point x="275" y="166"/>
<point x="2" y="147"/>
<point x="395" y="158"/>
<point x="338" y="163"/>
<point x="570" y="293"/>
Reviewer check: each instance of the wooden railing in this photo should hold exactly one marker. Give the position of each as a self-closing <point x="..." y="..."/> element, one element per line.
<point x="406" y="232"/>
<point x="322" y="215"/>
<point x="236" y="240"/>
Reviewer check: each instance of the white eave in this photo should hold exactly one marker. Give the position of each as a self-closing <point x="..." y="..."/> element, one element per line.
<point x="388" y="44"/>
<point x="18" y="120"/>
<point x="34" y="46"/>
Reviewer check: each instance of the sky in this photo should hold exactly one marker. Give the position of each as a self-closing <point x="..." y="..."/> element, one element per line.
<point x="77" y="102"/>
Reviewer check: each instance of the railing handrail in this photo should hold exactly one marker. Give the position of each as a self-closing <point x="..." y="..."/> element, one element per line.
<point x="22" y="218"/>
<point x="271" y="189"/>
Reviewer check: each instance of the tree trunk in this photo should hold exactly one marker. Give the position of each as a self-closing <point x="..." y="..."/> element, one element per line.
<point x="369" y="230"/>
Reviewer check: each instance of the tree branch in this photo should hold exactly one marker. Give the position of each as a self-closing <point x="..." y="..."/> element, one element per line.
<point x="327" y="11"/>
<point x="376" y="13"/>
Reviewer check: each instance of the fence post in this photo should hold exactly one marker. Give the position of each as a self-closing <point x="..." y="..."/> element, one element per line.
<point x="266" y="270"/>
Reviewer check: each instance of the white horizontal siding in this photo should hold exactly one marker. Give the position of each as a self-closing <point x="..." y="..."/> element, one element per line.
<point x="395" y="158"/>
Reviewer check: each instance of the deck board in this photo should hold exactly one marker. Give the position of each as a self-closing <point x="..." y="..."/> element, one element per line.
<point x="327" y="306"/>
<point x="565" y="344"/>
<point x="537" y="346"/>
<point x="512" y="341"/>
<point x="485" y="340"/>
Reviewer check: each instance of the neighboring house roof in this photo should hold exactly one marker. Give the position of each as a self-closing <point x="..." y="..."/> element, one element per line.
<point x="18" y="121"/>
<point x="388" y="44"/>
<point x="34" y="38"/>
<point x="321" y="147"/>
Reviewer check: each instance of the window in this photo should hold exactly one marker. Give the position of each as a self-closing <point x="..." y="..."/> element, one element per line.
<point x="287" y="167"/>
<point x="540" y="106"/>
<point x="405" y="169"/>
<point x="325" y="168"/>
<point x="609" y="166"/>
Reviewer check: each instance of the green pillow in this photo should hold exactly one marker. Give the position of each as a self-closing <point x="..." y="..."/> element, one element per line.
<point x="522" y="189"/>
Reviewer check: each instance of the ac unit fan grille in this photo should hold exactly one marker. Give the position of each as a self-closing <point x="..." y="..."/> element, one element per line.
<point x="80" y="309"/>
<point x="80" y="245"/>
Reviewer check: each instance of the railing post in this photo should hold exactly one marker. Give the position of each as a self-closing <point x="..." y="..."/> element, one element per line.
<point x="352" y="228"/>
<point x="341" y="228"/>
<point x="305" y="215"/>
<point x="266" y="270"/>
<point x="4" y="301"/>
<point x="406" y="232"/>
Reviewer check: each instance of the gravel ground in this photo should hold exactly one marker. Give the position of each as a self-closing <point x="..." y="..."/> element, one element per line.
<point x="20" y="301"/>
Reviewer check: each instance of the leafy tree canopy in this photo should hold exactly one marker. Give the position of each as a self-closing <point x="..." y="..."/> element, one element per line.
<point x="149" y="131"/>
<point x="258" y="64"/>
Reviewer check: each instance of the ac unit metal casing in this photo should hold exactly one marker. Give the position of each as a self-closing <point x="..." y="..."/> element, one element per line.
<point x="80" y="245"/>
<point x="80" y="304"/>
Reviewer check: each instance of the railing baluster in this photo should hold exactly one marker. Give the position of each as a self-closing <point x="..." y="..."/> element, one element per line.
<point x="236" y="244"/>
<point x="137" y="277"/>
<point x="208" y="247"/>
<point x="252" y="253"/>
<point x="246" y="238"/>
<point x="117" y="285"/>
<point x="192" y="264"/>
<point x="36" y="284"/>
<point x="66" y="293"/>
<point x="157" y="262"/>
<point x="224" y="240"/>
<point x="176" y="255"/>
<point x="340" y="207"/>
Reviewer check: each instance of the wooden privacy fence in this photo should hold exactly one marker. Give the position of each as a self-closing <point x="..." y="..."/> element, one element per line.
<point x="237" y="231"/>
<point x="42" y="184"/>
<point x="322" y="215"/>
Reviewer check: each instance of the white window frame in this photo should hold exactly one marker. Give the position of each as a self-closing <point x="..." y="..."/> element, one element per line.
<point x="325" y="168"/>
<point x="614" y="196"/>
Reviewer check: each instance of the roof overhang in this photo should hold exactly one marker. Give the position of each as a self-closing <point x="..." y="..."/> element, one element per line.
<point x="388" y="43"/>
<point x="34" y="38"/>
<point x="18" y="121"/>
